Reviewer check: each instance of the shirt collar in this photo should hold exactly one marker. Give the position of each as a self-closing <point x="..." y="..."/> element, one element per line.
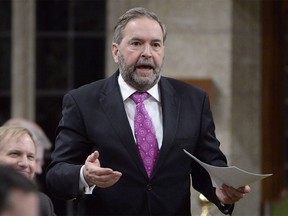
<point x="127" y="90"/>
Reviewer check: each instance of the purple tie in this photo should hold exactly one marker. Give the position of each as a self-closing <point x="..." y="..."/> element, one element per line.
<point x="144" y="132"/>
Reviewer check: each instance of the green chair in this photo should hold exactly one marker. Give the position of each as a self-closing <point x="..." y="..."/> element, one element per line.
<point x="280" y="207"/>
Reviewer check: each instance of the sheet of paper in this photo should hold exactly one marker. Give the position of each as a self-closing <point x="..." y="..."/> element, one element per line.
<point x="231" y="176"/>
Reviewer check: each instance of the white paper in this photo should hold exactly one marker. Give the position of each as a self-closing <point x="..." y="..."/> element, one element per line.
<point x="231" y="176"/>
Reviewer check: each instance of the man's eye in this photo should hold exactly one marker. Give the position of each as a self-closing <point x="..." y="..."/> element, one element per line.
<point x="14" y="154"/>
<point x="135" y="43"/>
<point x="156" y="45"/>
<point x="31" y="157"/>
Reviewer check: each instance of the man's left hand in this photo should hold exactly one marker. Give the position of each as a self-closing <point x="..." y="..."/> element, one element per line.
<point x="230" y="195"/>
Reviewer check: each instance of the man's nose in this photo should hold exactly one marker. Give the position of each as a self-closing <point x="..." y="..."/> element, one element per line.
<point x="23" y="161"/>
<point x="147" y="51"/>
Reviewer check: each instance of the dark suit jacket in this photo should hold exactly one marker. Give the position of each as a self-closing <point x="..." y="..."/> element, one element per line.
<point x="45" y="205"/>
<point x="94" y="118"/>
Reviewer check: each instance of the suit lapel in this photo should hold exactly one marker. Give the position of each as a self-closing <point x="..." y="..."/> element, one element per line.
<point x="113" y="107"/>
<point x="170" y="110"/>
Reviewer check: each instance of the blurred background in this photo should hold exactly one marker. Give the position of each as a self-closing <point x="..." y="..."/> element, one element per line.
<point x="234" y="49"/>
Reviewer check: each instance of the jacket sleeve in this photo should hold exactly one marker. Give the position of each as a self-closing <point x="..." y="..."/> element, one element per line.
<point x="209" y="152"/>
<point x="71" y="150"/>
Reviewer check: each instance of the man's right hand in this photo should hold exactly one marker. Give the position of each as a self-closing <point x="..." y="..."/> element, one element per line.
<point x="94" y="174"/>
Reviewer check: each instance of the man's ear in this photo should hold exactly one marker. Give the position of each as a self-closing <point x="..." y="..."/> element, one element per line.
<point x="115" y="50"/>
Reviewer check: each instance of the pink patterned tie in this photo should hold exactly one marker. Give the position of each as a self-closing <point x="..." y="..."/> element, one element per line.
<point x="144" y="132"/>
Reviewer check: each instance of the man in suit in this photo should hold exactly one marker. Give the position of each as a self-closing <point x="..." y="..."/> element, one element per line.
<point x="100" y="154"/>
<point x="18" y="149"/>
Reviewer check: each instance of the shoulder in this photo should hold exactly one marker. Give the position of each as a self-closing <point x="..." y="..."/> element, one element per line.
<point x="43" y="196"/>
<point x="46" y="205"/>
<point x="96" y="88"/>
<point x="181" y="87"/>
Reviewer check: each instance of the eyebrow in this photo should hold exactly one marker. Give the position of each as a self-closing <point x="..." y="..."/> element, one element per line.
<point x="139" y="39"/>
<point x="19" y="151"/>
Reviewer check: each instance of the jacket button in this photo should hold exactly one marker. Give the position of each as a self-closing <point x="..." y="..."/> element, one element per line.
<point x="149" y="187"/>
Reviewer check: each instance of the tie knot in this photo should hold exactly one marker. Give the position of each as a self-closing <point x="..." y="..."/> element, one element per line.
<point x="139" y="97"/>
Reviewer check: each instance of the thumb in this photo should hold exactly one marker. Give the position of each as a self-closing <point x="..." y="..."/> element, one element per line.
<point x="93" y="157"/>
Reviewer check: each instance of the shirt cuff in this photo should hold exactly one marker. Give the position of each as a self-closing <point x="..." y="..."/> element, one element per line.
<point x="83" y="186"/>
<point x="226" y="208"/>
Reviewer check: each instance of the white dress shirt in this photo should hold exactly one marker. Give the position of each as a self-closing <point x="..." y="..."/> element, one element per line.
<point x="153" y="107"/>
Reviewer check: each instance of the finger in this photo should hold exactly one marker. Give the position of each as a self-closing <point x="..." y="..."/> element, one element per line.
<point x="108" y="180"/>
<point x="93" y="157"/>
<point x="104" y="172"/>
<point x="107" y="177"/>
<point x="228" y="198"/>
<point x="117" y="173"/>
<point x="235" y="194"/>
<point x="93" y="174"/>
<point x="244" y="189"/>
<point x="232" y="194"/>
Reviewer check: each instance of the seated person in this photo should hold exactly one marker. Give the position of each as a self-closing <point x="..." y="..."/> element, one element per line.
<point x="18" y="149"/>
<point x="41" y="140"/>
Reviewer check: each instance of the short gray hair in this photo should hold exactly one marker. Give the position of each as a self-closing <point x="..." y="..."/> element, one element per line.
<point x="133" y="14"/>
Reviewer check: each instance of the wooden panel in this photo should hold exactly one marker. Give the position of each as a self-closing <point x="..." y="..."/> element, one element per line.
<point x="205" y="84"/>
<point x="273" y="145"/>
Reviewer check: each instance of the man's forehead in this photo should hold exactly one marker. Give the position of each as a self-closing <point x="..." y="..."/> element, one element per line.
<point x="137" y="26"/>
<point x="135" y="22"/>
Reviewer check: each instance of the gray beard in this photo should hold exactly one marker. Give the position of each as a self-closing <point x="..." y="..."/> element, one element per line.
<point x="131" y="78"/>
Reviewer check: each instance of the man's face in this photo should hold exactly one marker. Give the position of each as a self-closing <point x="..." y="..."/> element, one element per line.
<point x="140" y="54"/>
<point x="22" y="204"/>
<point x="20" y="153"/>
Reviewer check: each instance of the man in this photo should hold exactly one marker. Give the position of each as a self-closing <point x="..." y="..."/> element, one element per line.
<point x="18" y="149"/>
<point x="18" y="195"/>
<point x="42" y="142"/>
<point x="137" y="167"/>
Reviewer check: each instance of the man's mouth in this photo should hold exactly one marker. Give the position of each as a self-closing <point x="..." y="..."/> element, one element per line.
<point x="145" y="67"/>
<point x="27" y="174"/>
